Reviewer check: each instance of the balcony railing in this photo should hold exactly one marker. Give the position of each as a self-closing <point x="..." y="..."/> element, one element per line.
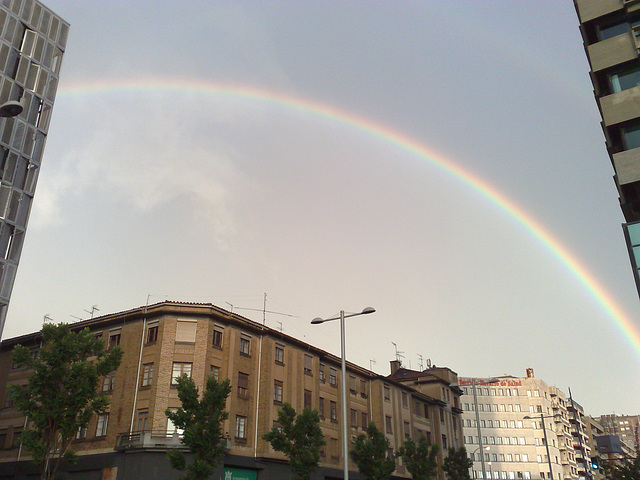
<point x="153" y="439"/>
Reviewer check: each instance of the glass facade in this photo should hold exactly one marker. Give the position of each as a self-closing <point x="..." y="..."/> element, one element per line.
<point x="32" y="43"/>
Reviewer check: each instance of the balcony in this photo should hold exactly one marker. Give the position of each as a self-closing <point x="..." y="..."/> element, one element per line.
<point x="148" y="439"/>
<point x="590" y="9"/>
<point x="613" y="51"/>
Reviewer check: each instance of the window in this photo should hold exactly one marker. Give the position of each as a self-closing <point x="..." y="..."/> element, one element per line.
<point x="525" y="457"/>
<point x="407" y="430"/>
<point x="152" y="333"/>
<point x="80" y="434"/>
<point x="333" y="411"/>
<point x="241" y="427"/>
<point x="387" y="393"/>
<point x="321" y="375"/>
<point x="245" y="345"/>
<point x="108" y="382"/>
<point x="243" y="384"/>
<point x="332" y="377"/>
<point x="147" y="374"/>
<point x="388" y="424"/>
<point x="536" y="393"/>
<point x="114" y="339"/>
<point x="522" y="441"/>
<point x="308" y="363"/>
<point x="143" y="417"/>
<point x="307" y="399"/>
<point x="352" y="385"/>
<point x="186" y="332"/>
<point x="180" y="368"/>
<point x="444" y="442"/>
<point x="365" y="420"/>
<point x="354" y="418"/>
<point x="217" y="337"/>
<point x="520" y="424"/>
<point x="277" y="392"/>
<point x="214" y="372"/>
<point x="321" y="407"/>
<point x="613" y="30"/>
<point x="103" y="423"/>
<point x="363" y="388"/>
<point x="405" y="400"/>
<point x="279" y="354"/>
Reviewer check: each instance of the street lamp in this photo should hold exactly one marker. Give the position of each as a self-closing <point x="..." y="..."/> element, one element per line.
<point x="546" y="440"/>
<point x="341" y="317"/>
<point x="10" y="109"/>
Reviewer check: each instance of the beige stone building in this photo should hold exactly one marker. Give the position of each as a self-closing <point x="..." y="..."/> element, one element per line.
<point x="522" y="429"/>
<point x="266" y="369"/>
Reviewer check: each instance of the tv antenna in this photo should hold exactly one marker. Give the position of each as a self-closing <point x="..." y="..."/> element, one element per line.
<point x="420" y="364"/>
<point x="47" y="318"/>
<point x="399" y="354"/>
<point x="94" y="309"/>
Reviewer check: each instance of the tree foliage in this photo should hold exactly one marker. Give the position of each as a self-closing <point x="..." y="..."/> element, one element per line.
<point x="625" y="469"/>
<point x="421" y="459"/>
<point x="299" y="437"/>
<point x="371" y="454"/>
<point x="61" y="394"/>
<point x="201" y="420"/>
<point x="457" y="464"/>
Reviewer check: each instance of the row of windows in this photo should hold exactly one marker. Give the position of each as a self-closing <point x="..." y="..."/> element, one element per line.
<point x="470" y="440"/>
<point x="500" y="392"/>
<point x="497" y="424"/>
<point x="507" y="457"/>
<point x="37" y="17"/>
<point x="493" y="407"/>
<point x="502" y="475"/>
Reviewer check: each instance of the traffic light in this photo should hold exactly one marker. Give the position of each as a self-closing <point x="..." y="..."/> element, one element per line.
<point x="595" y="463"/>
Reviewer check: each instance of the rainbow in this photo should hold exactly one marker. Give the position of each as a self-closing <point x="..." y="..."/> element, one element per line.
<point x="309" y="107"/>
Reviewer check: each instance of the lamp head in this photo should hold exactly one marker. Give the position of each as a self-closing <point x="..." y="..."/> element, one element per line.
<point x="368" y="310"/>
<point x="10" y="109"/>
<point x="317" y="320"/>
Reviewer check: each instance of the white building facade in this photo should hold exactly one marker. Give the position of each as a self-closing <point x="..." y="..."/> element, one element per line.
<point x="518" y="431"/>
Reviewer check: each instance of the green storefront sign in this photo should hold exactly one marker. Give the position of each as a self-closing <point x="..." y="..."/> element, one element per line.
<point x="239" y="474"/>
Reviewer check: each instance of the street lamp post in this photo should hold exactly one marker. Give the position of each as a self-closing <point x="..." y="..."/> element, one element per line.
<point x="546" y="440"/>
<point x="341" y="317"/>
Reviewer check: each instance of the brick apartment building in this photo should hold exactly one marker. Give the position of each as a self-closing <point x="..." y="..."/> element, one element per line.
<point x="266" y="369"/>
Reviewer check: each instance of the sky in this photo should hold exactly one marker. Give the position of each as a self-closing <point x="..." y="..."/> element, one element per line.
<point x="440" y="161"/>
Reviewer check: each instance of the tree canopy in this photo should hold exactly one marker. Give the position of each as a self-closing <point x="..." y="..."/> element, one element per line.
<point x="421" y="458"/>
<point x="201" y="421"/>
<point x="61" y="394"/>
<point x="299" y="437"/>
<point x="371" y="454"/>
<point x="457" y="464"/>
<point x="624" y="469"/>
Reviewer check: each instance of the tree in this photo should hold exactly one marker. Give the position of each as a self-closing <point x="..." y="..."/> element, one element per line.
<point x="421" y="459"/>
<point x="457" y="464"/>
<point x="201" y="420"/>
<point x="624" y="469"/>
<point x="299" y="437"/>
<point x="371" y="454"/>
<point x="61" y="394"/>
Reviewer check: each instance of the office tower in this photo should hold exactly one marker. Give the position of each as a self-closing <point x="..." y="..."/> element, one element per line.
<point x="611" y="34"/>
<point x="32" y="42"/>
<point x="521" y="428"/>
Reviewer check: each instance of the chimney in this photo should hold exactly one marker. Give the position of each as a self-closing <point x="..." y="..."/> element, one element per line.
<point x="395" y="366"/>
<point x="529" y="372"/>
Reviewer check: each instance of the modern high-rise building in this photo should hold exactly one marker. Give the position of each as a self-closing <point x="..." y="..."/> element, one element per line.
<point x="32" y="43"/>
<point x="611" y="34"/>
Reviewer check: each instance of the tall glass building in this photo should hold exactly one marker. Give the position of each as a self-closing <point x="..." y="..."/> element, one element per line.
<point x="32" y="43"/>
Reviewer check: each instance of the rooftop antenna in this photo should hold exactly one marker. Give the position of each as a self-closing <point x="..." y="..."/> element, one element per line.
<point x="231" y="305"/>
<point x="94" y="309"/>
<point x="47" y="318"/>
<point x="77" y="318"/>
<point x="279" y="326"/>
<point x="372" y="362"/>
<point x="399" y="354"/>
<point x="420" y="364"/>
<point x="428" y="363"/>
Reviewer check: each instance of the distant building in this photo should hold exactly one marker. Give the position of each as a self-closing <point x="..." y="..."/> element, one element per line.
<point x="521" y="428"/>
<point x="32" y="43"/>
<point x="611" y="36"/>
<point x="266" y="369"/>
<point x="627" y="427"/>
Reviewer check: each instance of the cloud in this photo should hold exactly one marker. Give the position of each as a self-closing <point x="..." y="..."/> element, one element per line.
<point x="148" y="157"/>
